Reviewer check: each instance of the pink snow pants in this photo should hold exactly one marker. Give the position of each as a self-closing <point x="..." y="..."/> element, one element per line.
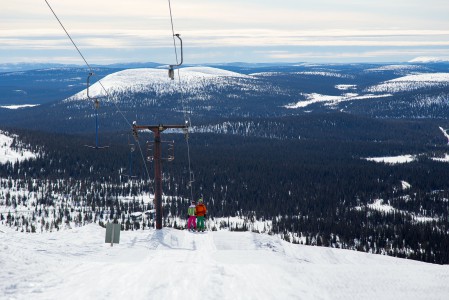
<point x="191" y="223"/>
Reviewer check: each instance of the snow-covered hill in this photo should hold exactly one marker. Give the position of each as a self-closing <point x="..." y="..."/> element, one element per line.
<point x="157" y="81"/>
<point x="174" y="264"/>
<point x="429" y="59"/>
<point x="412" y="82"/>
<point x="208" y="93"/>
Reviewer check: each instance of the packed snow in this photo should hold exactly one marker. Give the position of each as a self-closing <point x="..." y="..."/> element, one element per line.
<point x="392" y="160"/>
<point x="412" y="82"/>
<point x="9" y="154"/>
<point x="177" y="264"/>
<point x="332" y="100"/>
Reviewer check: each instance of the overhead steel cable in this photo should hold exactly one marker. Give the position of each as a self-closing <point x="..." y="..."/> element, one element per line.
<point x="87" y="64"/>
<point x="186" y="118"/>
<point x="112" y="100"/>
<point x="173" y="32"/>
<point x="66" y="32"/>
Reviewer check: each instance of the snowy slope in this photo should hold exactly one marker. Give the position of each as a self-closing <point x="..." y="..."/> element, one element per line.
<point x="332" y="100"/>
<point x="393" y="160"/>
<point x="429" y="59"/>
<point x="395" y="68"/>
<point x="412" y="82"/>
<point x="8" y="154"/>
<point x="173" y="264"/>
<point x="157" y="80"/>
<point x="18" y="106"/>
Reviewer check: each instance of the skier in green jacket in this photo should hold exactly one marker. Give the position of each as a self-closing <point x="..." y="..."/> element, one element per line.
<point x="200" y="213"/>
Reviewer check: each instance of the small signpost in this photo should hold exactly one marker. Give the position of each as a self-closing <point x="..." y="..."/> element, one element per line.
<point x="112" y="233"/>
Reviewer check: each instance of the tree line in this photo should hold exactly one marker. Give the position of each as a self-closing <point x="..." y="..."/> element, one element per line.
<point x="315" y="190"/>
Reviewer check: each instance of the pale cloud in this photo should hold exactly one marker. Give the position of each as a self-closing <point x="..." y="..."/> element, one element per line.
<point x="346" y="55"/>
<point x="142" y="28"/>
<point x="224" y="38"/>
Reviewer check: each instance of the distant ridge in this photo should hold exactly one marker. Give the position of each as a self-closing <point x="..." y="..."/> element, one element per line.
<point x="429" y="59"/>
<point x="22" y="66"/>
<point x="15" y="67"/>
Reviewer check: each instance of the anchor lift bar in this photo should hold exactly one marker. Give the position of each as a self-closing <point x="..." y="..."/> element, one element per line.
<point x="96" y="105"/>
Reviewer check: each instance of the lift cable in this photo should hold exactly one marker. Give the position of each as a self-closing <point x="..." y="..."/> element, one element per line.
<point x="87" y="64"/>
<point x="186" y="117"/>
<point x="173" y="31"/>
<point x="66" y="32"/>
<point x="104" y="89"/>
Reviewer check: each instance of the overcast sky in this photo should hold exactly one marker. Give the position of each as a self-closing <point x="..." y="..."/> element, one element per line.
<point x="110" y="31"/>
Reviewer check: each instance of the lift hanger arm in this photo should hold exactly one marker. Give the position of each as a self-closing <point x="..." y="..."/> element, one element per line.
<point x="88" y="83"/>
<point x="171" y="71"/>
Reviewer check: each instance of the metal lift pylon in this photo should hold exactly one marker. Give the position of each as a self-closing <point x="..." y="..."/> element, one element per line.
<point x="157" y="157"/>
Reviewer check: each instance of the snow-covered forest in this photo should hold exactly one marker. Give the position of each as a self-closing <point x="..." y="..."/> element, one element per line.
<point x="64" y="185"/>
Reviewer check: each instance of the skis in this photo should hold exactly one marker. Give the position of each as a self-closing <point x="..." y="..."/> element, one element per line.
<point x="197" y="231"/>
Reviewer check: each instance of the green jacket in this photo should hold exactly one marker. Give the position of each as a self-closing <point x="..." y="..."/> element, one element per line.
<point x="191" y="211"/>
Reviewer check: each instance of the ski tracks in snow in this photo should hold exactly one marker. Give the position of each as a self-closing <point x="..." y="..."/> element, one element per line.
<point x="177" y="264"/>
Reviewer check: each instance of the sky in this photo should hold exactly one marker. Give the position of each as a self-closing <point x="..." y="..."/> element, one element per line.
<point x="215" y="31"/>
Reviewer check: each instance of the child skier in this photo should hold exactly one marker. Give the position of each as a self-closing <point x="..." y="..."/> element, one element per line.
<point x="191" y="211"/>
<point x="200" y="213"/>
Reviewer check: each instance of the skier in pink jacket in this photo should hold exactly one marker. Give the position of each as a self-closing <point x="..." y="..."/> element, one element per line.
<point x="191" y="211"/>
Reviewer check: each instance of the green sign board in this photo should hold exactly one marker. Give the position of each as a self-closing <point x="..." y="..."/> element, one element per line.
<point x="112" y="233"/>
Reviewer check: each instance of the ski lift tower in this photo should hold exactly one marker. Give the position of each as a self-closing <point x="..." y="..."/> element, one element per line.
<point x="157" y="157"/>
